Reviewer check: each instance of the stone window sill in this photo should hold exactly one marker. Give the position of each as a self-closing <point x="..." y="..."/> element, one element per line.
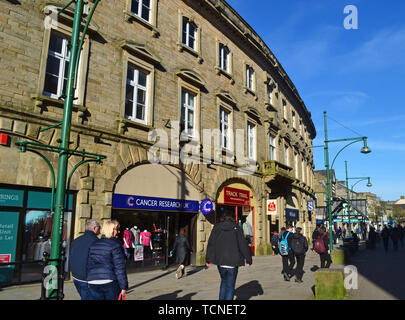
<point x="220" y="71"/>
<point x="129" y="16"/>
<point x="124" y="124"/>
<point x="182" y="47"/>
<point x="43" y="102"/>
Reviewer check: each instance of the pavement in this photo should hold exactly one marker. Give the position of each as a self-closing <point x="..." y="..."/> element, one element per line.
<point x="380" y="277"/>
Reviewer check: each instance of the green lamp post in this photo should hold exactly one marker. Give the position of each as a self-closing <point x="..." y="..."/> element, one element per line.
<point x="351" y="190"/>
<point x="364" y="150"/>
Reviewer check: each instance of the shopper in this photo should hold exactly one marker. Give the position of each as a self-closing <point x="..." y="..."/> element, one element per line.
<point x="385" y="235"/>
<point x="322" y="248"/>
<point x="286" y="254"/>
<point x="228" y="249"/>
<point x="274" y="243"/>
<point x="395" y="236"/>
<point x="315" y="236"/>
<point x="401" y="235"/>
<point x="372" y="238"/>
<point x="106" y="271"/>
<point x="182" y="250"/>
<point x="299" y="246"/>
<point x="79" y="252"/>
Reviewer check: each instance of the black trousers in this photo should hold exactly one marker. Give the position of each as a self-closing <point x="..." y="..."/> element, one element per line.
<point x="299" y="270"/>
<point x="326" y="260"/>
<point x="288" y="263"/>
<point x="385" y="243"/>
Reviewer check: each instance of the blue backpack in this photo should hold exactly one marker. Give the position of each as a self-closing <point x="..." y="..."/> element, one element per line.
<point x="283" y="247"/>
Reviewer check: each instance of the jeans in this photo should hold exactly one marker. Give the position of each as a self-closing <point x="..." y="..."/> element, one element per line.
<point x="83" y="289"/>
<point x="299" y="270"/>
<point x="325" y="258"/>
<point x="228" y="281"/>
<point x="108" y="291"/>
<point x="288" y="263"/>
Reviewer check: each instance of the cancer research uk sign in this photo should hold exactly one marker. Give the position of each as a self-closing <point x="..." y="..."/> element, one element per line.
<point x="124" y="201"/>
<point x="271" y="207"/>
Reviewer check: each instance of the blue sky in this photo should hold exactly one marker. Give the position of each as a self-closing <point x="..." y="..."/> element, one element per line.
<point x="357" y="76"/>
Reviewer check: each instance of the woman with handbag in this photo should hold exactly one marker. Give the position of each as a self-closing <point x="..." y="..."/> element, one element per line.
<point x="106" y="270"/>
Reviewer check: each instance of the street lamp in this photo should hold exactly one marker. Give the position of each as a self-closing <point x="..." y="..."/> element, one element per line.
<point x="364" y="150"/>
<point x="348" y="191"/>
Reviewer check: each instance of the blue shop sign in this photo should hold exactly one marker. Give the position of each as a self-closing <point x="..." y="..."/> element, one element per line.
<point x="125" y="201"/>
<point x="310" y="205"/>
<point x="11" y="198"/>
<point x="206" y="206"/>
<point x="292" y="214"/>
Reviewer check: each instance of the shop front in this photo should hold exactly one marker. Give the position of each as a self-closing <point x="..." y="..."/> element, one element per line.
<point x="236" y="200"/>
<point x="150" y="225"/>
<point x="152" y="203"/>
<point x="26" y="222"/>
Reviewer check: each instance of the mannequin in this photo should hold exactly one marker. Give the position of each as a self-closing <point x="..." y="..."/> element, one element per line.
<point x="146" y="241"/>
<point x="136" y="235"/>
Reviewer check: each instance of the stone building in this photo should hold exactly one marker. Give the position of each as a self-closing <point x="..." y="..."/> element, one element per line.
<point x="152" y="72"/>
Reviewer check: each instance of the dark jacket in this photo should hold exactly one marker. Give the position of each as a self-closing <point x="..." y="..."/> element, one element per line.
<point x="79" y="252"/>
<point x="182" y="249"/>
<point x="107" y="262"/>
<point x="227" y="245"/>
<point x="395" y="234"/>
<point x="315" y="235"/>
<point x="300" y="237"/>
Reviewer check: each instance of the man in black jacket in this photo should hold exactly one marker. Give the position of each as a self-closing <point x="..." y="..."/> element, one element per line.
<point x="78" y="257"/>
<point x="315" y="236"/>
<point x="288" y="260"/>
<point x="228" y="249"/>
<point x="299" y="246"/>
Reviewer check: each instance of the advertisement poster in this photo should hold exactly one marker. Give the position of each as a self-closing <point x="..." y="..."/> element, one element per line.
<point x="138" y="253"/>
<point x="8" y="243"/>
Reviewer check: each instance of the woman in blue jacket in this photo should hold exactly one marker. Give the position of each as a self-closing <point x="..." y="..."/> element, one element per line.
<point x="106" y="270"/>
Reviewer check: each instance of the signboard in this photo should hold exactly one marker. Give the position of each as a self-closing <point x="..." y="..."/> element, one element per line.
<point x="237" y="197"/>
<point x="206" y="206"/>
<point x="11" y="198"/>
<point x="292" y="214"/>
<point x="138" y="253"/>
<point x="310" y="204"/>
<point x="347" y="220"/>
<point x="271" y="207"/>
<point x="125" y="201"/>
<point x="8" y="243"/>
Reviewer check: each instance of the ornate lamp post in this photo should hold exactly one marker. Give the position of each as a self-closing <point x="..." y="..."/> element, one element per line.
<point x="364" y="150"/>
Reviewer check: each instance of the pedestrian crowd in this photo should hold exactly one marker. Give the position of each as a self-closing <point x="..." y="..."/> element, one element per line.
<point x="98" y="264"/>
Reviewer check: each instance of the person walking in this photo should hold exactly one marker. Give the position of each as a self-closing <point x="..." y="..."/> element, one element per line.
<point x="182" y="250"/>
<point x="401" y="235"/>
<point x="299" y="246"/>
<point x="322" y="248"/>
<point x="315" y="236"/>
<point x="385" y="235"/>
<point x="286" y="253"/>
<point x="395" y="236"/>
<point x="372" y="238"/>
<point x="228" y="249"/>
<point x="274" y="243"/>
<point x="79" y="252"/>
<point x="106" y="271"/>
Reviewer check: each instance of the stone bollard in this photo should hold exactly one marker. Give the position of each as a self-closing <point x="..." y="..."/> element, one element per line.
<point x="329" y="284"/>
<point x="339" y="256"/>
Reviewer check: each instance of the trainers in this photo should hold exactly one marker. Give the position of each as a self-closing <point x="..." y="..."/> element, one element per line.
<point x="286" y="277"/>
<point x="179" y="272"/>
<point x="298" y="280"/>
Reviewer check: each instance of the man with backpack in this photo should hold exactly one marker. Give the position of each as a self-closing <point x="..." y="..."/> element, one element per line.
<point x="322" y="248"/>
<point x="299" y="246"/>
<point x="286" y="253"/>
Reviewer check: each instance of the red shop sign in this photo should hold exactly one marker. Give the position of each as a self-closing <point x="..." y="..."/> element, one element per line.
<point x="236" y="196"/>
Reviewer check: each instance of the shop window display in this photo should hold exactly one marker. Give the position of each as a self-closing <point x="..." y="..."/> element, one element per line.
<point x="37" y="240"/>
